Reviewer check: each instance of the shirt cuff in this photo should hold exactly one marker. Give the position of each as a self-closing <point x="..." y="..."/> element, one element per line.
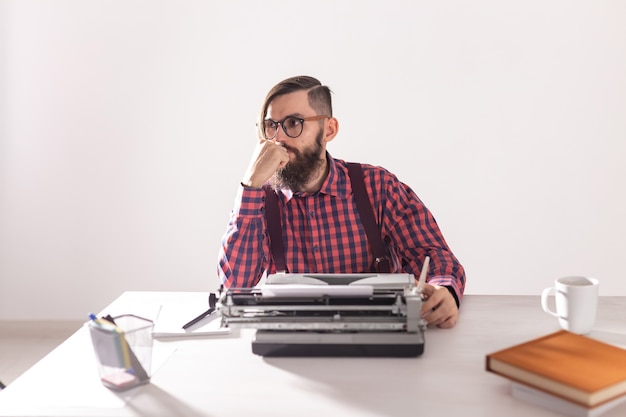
<point x="250" y="202"/>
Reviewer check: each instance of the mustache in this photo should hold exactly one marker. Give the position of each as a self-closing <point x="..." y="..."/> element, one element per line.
<point x="290" y="148"/>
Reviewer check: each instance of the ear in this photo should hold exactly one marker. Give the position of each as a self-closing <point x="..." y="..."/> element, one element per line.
<point x="331" y="129"/>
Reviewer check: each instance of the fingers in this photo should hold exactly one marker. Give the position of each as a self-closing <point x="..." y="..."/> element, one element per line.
<point x="275" y="155"/>
<point x="268" y="157"/>
<point x="439" y="308"/>
<point x="443" y="322"/>
<point x="449" y="323"/>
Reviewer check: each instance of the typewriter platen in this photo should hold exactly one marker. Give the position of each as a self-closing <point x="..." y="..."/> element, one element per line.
<point x="330" y="315"/>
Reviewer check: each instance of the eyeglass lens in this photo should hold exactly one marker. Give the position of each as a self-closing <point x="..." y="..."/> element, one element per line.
<point x="292" y="127"/>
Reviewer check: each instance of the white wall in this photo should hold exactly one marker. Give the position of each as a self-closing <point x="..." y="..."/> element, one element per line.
<point x="126" y="127"/>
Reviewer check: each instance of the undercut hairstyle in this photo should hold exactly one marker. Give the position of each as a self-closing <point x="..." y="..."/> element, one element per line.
<point x="319" y="95"/>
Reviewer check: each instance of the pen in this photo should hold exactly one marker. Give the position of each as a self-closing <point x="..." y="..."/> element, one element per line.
<point x="200" y="317"/>
<point x="101" y="323"/>
<point x="212" y="303"/>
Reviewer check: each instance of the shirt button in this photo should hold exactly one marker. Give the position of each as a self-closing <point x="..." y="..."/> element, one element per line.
<point x="311" y="213"/>
<point x="316" y="248"/>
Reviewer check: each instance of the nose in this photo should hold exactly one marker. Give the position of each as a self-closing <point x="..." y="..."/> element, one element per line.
<point x="281" y="136"/>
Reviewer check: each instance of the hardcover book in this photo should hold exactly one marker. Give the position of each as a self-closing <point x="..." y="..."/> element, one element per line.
<point x="558" y="404"/>
<point x="574" y="367"/>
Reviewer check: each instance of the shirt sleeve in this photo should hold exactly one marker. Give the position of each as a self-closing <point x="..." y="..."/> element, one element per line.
<point x="411" y="233"/>
<point x="244" y="252"/>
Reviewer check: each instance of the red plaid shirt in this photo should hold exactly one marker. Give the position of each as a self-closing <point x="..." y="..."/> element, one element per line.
<point x="322" y="233"/>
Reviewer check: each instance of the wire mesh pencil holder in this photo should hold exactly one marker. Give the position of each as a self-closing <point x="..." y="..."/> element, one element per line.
<point x="123" y="350"/>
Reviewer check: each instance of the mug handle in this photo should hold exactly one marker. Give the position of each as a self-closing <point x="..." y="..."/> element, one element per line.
<point x="544" y="300"/>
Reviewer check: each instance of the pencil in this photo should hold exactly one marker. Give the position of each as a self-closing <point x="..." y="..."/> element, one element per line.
<point x="423" y="273"/>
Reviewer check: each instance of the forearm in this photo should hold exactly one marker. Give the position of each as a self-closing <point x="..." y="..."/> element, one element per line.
<point x="243" y="255"/>
<point x="414" y="234"/>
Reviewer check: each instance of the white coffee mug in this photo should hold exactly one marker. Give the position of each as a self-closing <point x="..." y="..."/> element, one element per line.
<point x="576" y="300"/>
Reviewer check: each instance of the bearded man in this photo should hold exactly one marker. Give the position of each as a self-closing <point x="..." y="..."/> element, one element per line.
<point x="321" y="229"/>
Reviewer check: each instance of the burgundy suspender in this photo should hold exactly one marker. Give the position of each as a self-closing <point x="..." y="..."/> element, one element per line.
<point x="381" y="262"/>
<point x="274" y="228"/>
<point x="366" y="213"/>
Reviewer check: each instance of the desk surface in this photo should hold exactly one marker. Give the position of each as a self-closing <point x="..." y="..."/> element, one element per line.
<point x="219" y="375"/>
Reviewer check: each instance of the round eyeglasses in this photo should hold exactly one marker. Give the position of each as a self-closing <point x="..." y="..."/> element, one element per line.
<point x="292" y="126"/>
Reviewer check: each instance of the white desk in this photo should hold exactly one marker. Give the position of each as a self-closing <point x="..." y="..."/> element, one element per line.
<point x="219" y="376"/>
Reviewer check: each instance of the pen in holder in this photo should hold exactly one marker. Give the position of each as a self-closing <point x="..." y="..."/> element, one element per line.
<point x="123" y="348"/>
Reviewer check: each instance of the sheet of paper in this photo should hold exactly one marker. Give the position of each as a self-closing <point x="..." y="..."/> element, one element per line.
<point x="171" y="317"/>
<point x="306" y="290"/>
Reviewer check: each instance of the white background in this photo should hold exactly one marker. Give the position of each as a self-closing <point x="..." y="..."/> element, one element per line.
<point x="126" y="126"/>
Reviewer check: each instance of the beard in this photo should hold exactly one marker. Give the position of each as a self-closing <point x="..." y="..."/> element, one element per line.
<point x="301" y="170"/>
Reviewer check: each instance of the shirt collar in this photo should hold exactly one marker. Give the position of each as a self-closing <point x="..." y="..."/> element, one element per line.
<point x="335" y="183"/>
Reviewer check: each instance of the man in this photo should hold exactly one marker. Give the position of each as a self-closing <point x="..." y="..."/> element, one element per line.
<point x="321" y="229"/>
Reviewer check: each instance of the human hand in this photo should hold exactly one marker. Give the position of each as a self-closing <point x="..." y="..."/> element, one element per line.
<point x="268" y="157"/>
<point x="439" y="307"/>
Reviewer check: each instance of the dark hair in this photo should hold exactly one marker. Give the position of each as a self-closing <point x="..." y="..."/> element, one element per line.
<point x="319" y="95"/>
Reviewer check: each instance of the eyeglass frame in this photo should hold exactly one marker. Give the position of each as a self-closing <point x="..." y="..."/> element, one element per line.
<point x="281" y="124"/>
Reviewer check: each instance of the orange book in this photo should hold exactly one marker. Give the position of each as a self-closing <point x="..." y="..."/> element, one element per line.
<point x="577" y="368"/>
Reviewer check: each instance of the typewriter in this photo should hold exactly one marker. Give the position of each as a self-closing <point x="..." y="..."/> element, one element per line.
<point x="329" y="315"/>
